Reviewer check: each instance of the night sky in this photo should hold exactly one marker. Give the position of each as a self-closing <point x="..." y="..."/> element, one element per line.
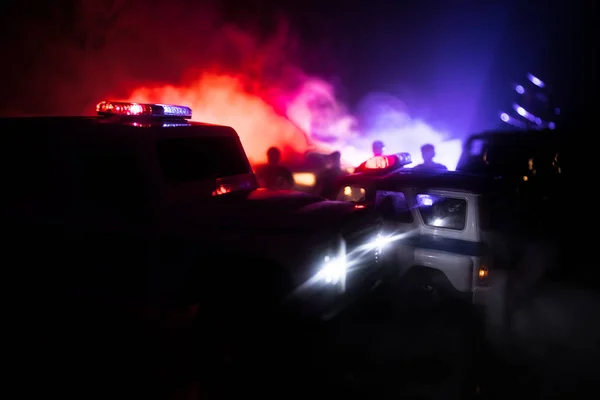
<point x="450" y="61"/>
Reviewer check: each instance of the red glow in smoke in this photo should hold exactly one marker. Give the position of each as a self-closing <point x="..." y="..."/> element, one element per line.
<point x="223" y="99"/>
<point x="230" y="69"/>
<point x="230" y="72"/>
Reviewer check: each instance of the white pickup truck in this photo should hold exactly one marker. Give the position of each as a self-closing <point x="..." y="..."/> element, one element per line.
<point x="438" y="223"/>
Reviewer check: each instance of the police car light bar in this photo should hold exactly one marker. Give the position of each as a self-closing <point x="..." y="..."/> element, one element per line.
<point x="107" y="108"/>
<point x="380" y="162"/>
<point x="404" y="158"/>
<point x="387" y="162"/>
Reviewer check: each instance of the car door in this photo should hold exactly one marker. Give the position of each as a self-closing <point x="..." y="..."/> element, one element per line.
<point x="392" y="201"/>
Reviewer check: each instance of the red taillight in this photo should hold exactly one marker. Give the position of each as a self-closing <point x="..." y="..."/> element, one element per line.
<point x="222" y="189"/>
<point x="234" y="183"/>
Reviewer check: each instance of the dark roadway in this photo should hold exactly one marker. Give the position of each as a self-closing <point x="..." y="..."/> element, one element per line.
<point x="373" y="351"/>
<point x="369" y="350"/>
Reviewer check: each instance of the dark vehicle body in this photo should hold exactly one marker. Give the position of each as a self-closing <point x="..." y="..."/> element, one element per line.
<point x="147" y="214"/>
<point x="536" y="162"/>
<point x="514" y="154"/>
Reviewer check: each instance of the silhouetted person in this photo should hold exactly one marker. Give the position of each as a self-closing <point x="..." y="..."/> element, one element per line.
<point x="428" y="153"/>
<point x="378" y="148"/>
<point x="274" y="176"/>
<point x="327" y="178"/>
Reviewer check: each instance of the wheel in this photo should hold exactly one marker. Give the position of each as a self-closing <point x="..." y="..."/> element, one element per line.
<point x="424" y="289"/>
<point x="423" y="294"/>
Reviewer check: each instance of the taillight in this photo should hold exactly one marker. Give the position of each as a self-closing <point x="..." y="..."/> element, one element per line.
<point x="234" y="183"/>
<point x="222" y="189"/>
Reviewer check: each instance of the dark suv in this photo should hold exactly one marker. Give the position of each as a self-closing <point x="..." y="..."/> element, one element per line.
<point x="143" y="209"/>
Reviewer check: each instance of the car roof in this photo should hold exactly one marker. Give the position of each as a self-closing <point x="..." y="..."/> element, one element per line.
<point x="448" y="180"/>
<point x="516" y="134"/>
<point x="113" y="125"/>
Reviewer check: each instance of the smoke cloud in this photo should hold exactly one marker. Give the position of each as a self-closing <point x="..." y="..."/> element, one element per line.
<point x="228" y="71"/>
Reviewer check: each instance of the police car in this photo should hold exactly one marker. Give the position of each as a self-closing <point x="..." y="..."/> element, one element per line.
<point x="438" y="225"/>
<point x="306" y="171"/>
<point x="140" y="206"/>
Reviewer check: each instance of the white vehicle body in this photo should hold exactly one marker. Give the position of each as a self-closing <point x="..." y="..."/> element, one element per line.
<point x="458" y="254"/>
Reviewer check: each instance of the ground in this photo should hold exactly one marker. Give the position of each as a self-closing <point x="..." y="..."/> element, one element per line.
<point x="375" y="350"/>
<point x="370" y="348"/>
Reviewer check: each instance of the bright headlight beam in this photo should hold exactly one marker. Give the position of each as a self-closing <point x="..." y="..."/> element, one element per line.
<point x="380" y="242"/>
<point x="333" y="271"/>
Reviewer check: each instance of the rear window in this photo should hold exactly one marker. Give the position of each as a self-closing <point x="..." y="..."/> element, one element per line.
<point x="113" y="180"/>
<point x="184" y="160"/>
<point x="36" y="175"/>
<point x="442" y="212"/>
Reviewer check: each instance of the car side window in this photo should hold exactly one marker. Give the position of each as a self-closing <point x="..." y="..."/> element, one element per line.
<point x="393" y="206"/>
<point x="442" y="212"/>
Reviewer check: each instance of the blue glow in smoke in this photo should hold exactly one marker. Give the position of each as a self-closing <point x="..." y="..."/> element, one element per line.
<point x="380" y="116"/>
<point x="386" y="118"/>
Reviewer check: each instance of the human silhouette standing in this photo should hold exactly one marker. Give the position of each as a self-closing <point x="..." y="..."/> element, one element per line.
<point x="378" y="148"/>
<point x="428" y="153"/>
<point x="275" y="176"/>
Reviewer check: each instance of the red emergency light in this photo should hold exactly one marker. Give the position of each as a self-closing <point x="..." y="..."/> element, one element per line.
<point x="107" y="108"/>
<point x="391" y="161"/>
<point x="380" y="162"/>
<point x="234" y="183"/>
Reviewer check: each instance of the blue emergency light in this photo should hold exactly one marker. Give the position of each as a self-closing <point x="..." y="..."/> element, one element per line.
<point x="111" y="108"/>
<point x="404" y="158"/>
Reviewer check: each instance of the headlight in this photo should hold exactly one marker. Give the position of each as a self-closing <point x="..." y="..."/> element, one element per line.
<point x="352" y="193"/>
<point x="333" y="271"/>
<point x="379" y="243"/>
<point x="305" y="179"/>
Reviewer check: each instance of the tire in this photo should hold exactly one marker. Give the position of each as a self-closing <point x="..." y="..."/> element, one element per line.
<point x="425" y="289"/>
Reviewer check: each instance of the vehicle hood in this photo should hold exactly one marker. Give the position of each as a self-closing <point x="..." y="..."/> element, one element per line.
<point x="285" y="211"/>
